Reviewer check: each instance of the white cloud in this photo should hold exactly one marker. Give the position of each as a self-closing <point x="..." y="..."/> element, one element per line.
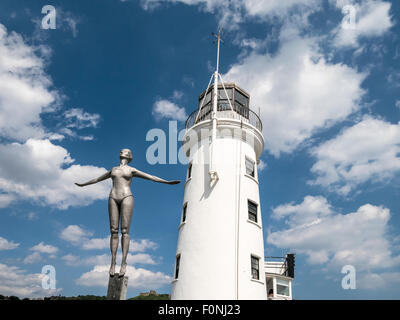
<point x="72" y="260"/>
<point x="5" y="200"/>
<point x="368" y="151"/>
<point x="34" y="257"/>
<point x="398" y="104"/>
<point x="78" y="118"/>
<point x="134" y="246"/>
<point x="333" y="239"/>
<point x="309" y="211"/>
<point x="7" y="245"/>
<point x="41" y="171"/>
<point x="75" y="235"/>
<point x="80" y="237"/>
<point x="372" y="20"/>
<point x="44" y="248"/>
<point x="38" y="250"/>
<point x="31" y="215"/>
<point x="278" y="8"/>
<point x="168" y="110"/>
<point x="138" y="278"/>
<point x="297" y="90"/>
<point x="231" y="13"/>
<point x="376" y="281"/>
<point x="33" y="168"/>
<point x="15" y="281"/>
<point x="24" y="88"/>
<point x="261" y="165"/>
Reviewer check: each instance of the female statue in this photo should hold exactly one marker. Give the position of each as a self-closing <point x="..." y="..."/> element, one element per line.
<point x="120" y="204"/>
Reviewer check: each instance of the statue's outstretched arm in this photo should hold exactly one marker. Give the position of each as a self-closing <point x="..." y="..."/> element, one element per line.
<point x="143" y="175"/>
<point x="101" y="178"/>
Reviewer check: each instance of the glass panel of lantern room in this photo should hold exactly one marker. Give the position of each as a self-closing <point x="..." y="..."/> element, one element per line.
<point x="241" y="104"/>
<point x="206" y="106"/>
<point x="223" y="103"/>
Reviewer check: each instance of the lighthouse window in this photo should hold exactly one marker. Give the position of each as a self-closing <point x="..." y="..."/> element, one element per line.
<point x="255" y="267"/>
<point x="189" y="171"/>
<point x="282" y="287"/>
<point x="178" y="261"/>
<point x="250" y="164"/>
<point x="184" y="212"/>
<point x="252" y="211"/>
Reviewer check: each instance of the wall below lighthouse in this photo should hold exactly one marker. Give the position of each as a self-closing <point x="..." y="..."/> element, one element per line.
<point x="217" y="240"/>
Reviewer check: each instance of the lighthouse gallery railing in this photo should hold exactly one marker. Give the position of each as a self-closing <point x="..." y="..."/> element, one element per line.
<point x="224" y="111"/>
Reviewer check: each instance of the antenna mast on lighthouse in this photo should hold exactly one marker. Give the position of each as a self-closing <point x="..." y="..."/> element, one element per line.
<point x="213" y="174"/>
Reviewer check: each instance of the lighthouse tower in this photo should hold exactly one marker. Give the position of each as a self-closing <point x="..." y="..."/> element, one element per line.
<point x="220" y="250"/>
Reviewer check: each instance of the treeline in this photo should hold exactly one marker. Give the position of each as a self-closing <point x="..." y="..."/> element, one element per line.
<point x="90" y="297"/>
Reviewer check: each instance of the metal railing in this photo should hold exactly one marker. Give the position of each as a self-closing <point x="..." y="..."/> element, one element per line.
<point x="223" y="112"/>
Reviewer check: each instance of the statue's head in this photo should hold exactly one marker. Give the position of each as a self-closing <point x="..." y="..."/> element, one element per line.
<point x="127" y="154"/>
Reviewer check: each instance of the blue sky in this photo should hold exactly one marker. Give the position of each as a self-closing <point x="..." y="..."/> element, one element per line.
<point x="71" y="98"/>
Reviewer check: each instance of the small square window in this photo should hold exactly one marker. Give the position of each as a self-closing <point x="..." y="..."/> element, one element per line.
<point x="178" y="261"/>
<point x="184" y="212"/>
<point x="282" y="287"/>
<point x="250" y="167"/>
<point x="255" y="268"/>
<point x="252" y="211"/>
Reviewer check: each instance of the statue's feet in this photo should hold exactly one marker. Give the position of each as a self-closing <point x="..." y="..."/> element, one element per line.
<point x="122" y="270"/>
<point x="112" y="270"/>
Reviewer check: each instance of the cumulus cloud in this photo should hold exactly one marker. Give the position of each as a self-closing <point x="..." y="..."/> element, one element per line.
<point x="7" y="245"/>
<point x="41" y="171"/>
<point x="103" y="259"/>
<point x="372" y="19"/>
<point x="75" y="235"/>
<point x="277" y="8"/>
<point x="15" y="281"/>
<point x="374" y="281"/>
<point x="5" y="200"/>
<point x="44" y="248"/>
<point x="231" y="13"/>
<point x="34" y="257"/>
<point x="78" y="118"/>
<point x="81" y="237"/>
<point x="261" y="165"/>
<point x="168" y="110"/>
<point x="25" y="89"/>
<point x="38" y="250"/>
<point x="32" y="167"/>
<point x="138" y="278"/>
<point x="297" y="90"/>
<point x="367" y="151"/>
<point x="333" y="239"/>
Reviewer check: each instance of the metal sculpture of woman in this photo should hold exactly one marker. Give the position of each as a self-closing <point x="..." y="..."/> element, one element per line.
<point x="120" y="204"/>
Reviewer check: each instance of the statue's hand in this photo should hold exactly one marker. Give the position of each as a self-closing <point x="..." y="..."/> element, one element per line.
<point x="79" y="184"/>
<point x="174" y="182"/>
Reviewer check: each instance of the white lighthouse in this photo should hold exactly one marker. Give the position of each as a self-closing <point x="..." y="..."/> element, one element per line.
<point x="220" y="250"/>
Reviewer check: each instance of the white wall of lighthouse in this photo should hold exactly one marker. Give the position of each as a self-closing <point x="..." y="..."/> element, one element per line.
<point x="217" y="240"/>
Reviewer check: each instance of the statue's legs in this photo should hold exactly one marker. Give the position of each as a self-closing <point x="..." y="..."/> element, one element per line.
<point x="126" y="217"/>
<point x="113" y="211"/>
